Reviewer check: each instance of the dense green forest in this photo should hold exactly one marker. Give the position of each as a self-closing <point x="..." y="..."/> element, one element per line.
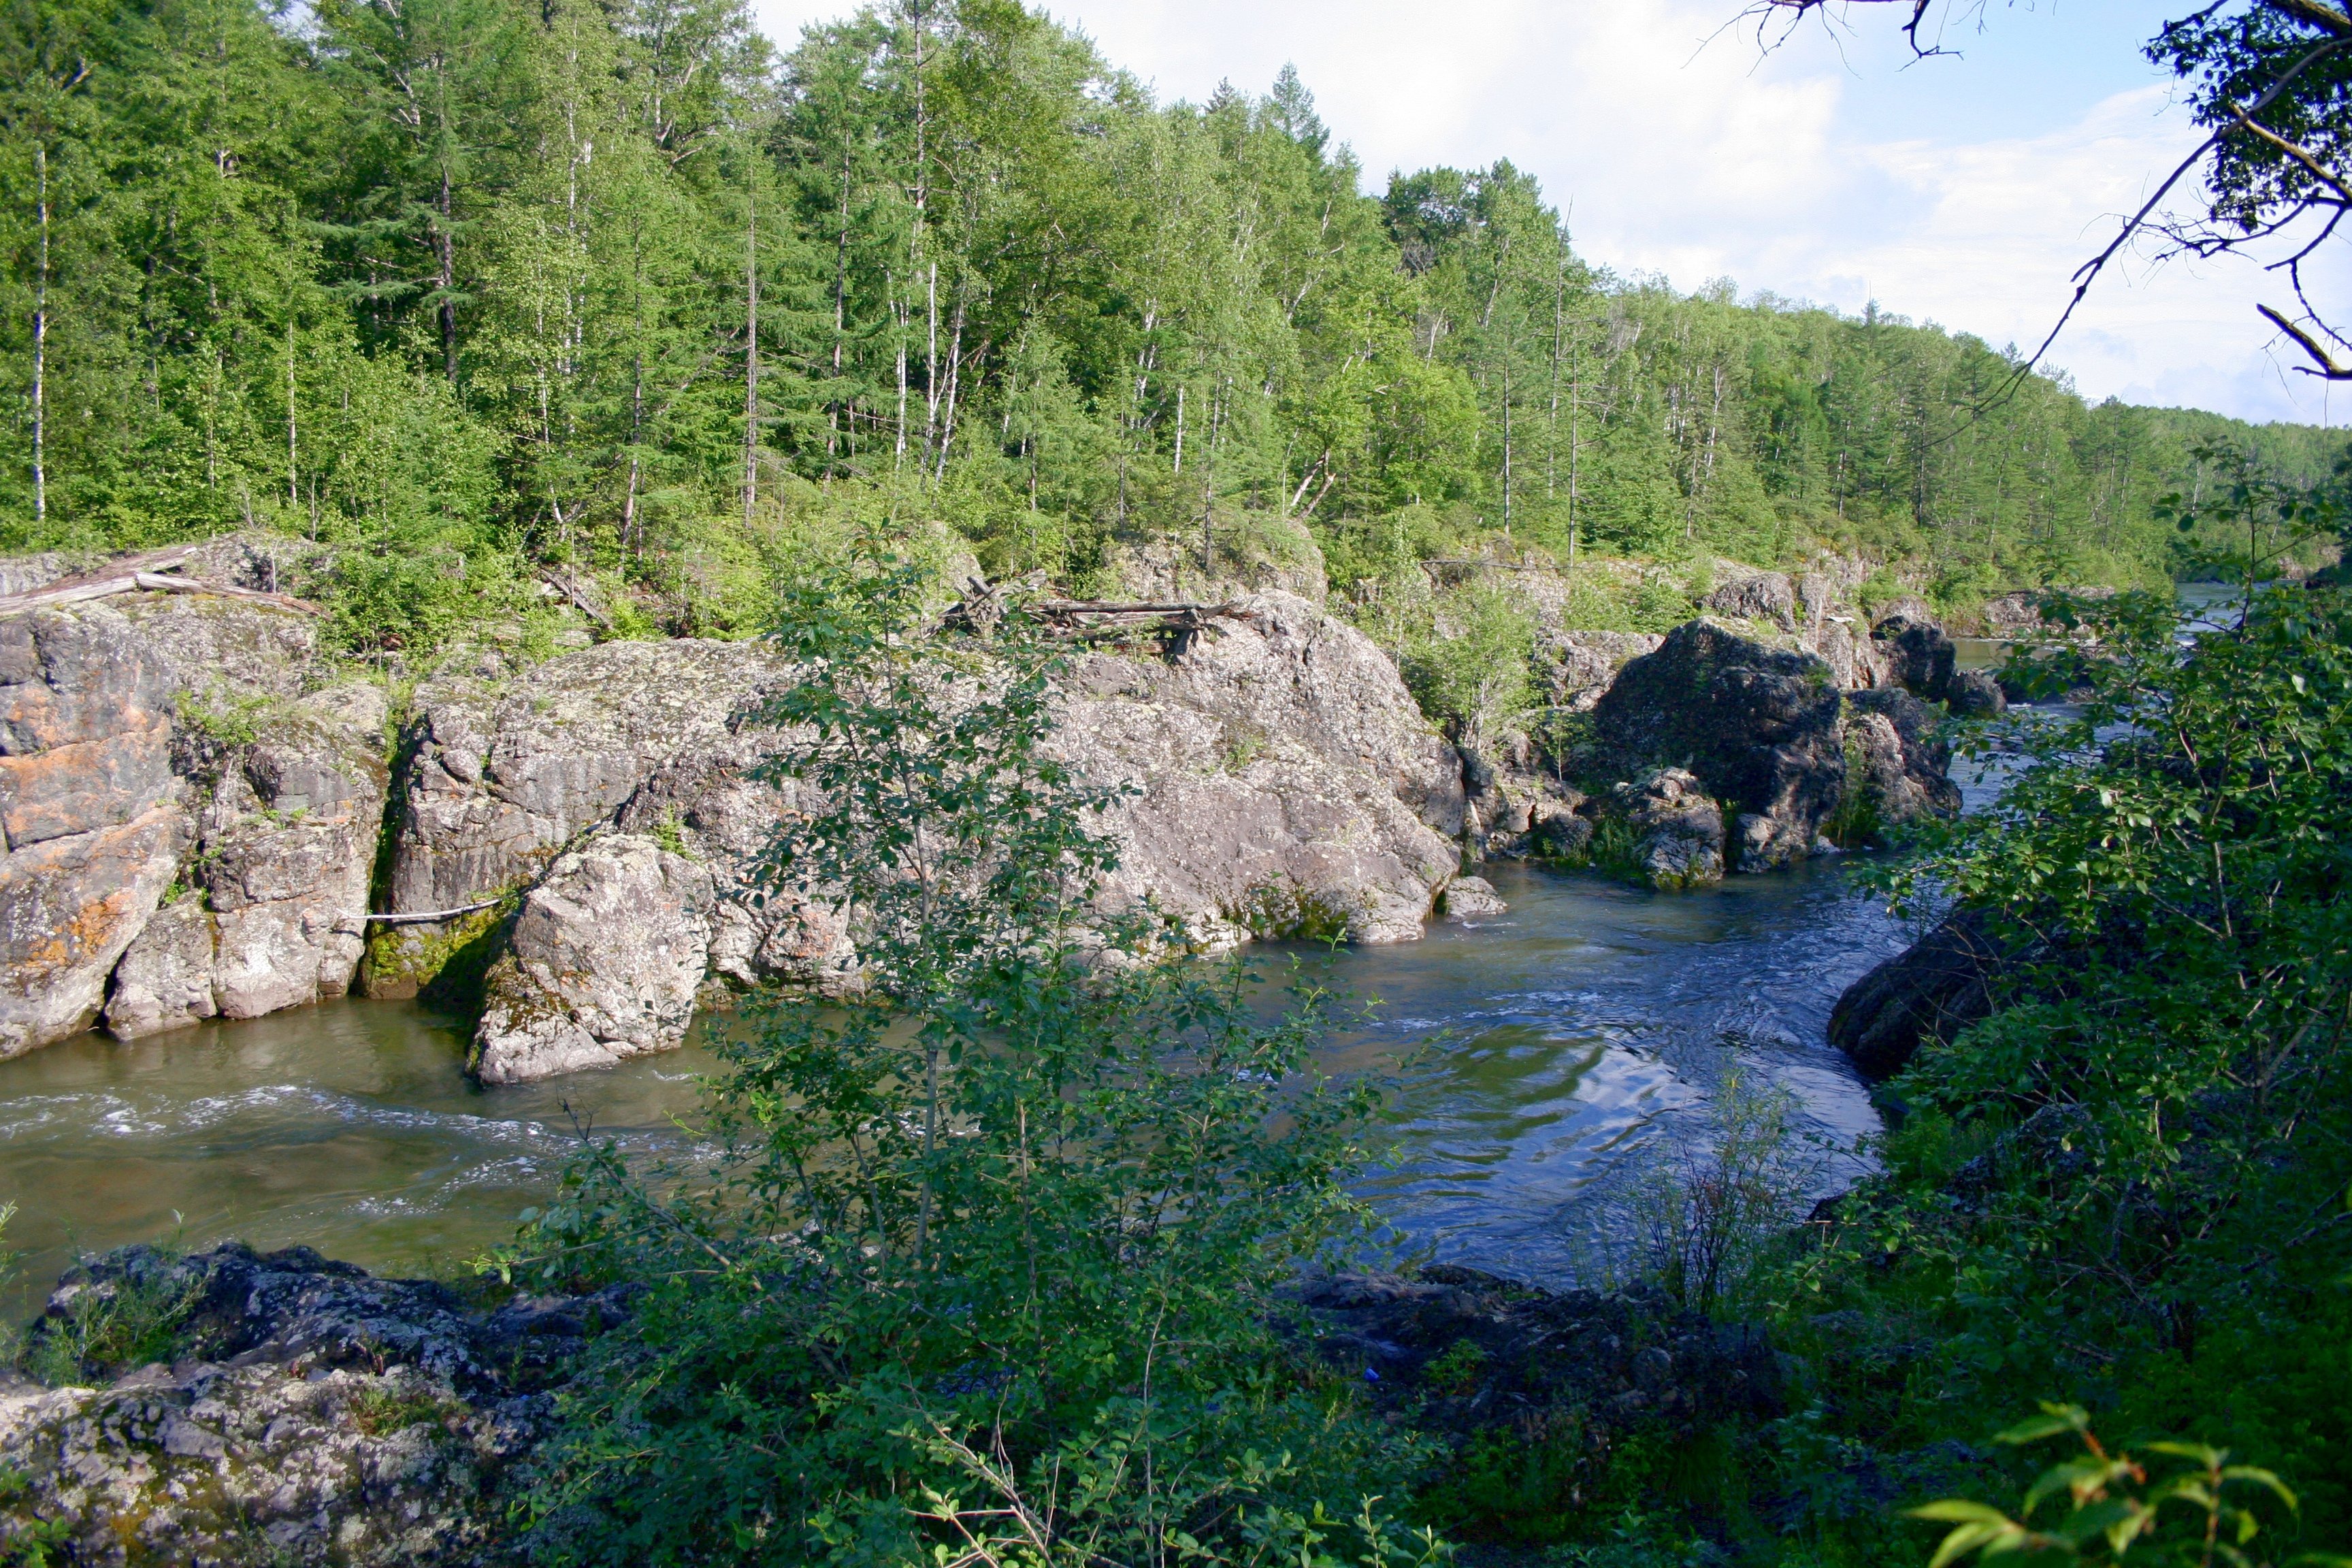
<point x="462" y="285"/>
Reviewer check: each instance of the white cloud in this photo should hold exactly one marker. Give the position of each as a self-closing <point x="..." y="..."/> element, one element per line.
<point x="1803" y="172"/>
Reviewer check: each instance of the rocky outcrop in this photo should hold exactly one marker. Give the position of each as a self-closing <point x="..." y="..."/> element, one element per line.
<point x="1917" y="654"/>
<point x="1758" y="726"/>
<point x="1904" y="760"/>
<point x="89" y="814"/>
<point x="1468" y="1358"/>
<point x="303" y="1412"/>
<point x="1577" y="668"/>
<point x="604" y="964"/>
<point x="1932" y="990"/>
<point x="1765" y="597"/>
<point x="1677" y="829"/>
<point x="1280" y="783"/>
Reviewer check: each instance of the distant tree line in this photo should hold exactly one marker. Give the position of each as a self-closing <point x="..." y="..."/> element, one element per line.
<point x="463" y="284"/>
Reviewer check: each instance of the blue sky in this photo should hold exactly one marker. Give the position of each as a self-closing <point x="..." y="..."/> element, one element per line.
<point x="1962" y="190"/>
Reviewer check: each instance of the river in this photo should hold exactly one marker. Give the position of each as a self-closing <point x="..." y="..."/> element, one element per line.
<point x="1547" y="1055"/>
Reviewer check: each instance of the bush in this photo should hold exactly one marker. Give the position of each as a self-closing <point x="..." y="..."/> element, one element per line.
<point x="988" y="1266"/>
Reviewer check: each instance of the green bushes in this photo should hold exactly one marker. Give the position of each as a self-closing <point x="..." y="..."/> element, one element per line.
<point x="989" y="1265"/>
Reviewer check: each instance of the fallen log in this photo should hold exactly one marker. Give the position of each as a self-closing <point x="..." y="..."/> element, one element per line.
<point x="148" y="582"/>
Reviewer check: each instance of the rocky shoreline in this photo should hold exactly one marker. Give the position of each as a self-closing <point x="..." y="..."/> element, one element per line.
<point x="232" y="1408"/>
<point x="208" y="814"/>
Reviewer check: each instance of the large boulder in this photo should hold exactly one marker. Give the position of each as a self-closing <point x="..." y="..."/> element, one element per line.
<point x="495" y="779"/>
<point x="1917" y="654"/>
<point x="90" y="822"/>
<point x="303" y="1412"/>
<point x="1905" y="758"/>
<point x="604" y="963"/>
<point x="1677" y="829"/>
<point x="1758" y="727"/>
<point x="1974" y="694"/>
<point x="1285" y="783"/>
<point x="1932" y="990"/>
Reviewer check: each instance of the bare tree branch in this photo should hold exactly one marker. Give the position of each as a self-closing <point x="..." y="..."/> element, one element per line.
<point x="2327" y="367"/>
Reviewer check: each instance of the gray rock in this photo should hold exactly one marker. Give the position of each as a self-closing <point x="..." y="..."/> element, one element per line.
<point x="1974" y="694"/>
<point x="603" y="962"/>
<point x="88" y="810"/>
<point x="495" y="782"/>
<point x="287" y="844"/>
<point x="1467" y="898"/>
<point x="1917" y="656"/>
<point x="1758" y="726"/>
<point x="1578" y="666"/>
<point x="1678" y="827"/>
<point x="1765" y="597"/>
<point x="165" y="979"/>
<point x="1905" y="759"/>
<point x="1285" y="782"/>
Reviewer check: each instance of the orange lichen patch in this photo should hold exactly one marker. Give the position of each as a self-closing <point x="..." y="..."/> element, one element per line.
<point x="68" y="900"/>
<point x="83" y="786"/>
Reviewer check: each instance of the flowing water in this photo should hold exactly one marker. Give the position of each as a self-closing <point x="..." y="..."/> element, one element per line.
<point x="1545" y="1053"/>
<point x="1547" y="1057"/>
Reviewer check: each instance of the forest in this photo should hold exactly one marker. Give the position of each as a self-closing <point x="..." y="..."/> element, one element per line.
<point x="468" y="288"/>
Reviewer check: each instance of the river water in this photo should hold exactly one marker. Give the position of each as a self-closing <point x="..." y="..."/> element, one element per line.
<point x="1546" y="1057"/>
<point x="1545" y="1053"/>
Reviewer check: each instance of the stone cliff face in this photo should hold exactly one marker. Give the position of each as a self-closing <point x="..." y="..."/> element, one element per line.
<point x="90" y="810"/>
<point x="202" y="814"/>
<point x="1283" y="784"/>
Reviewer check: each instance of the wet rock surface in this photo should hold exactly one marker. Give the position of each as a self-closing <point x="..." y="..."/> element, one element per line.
<point x="1939" y="985"/>
<point x="302" y="1412"/>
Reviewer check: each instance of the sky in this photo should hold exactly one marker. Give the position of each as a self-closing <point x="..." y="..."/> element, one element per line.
<point x="1962" y="190"/>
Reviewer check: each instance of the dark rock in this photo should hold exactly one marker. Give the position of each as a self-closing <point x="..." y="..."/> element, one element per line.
<point x="1973" y="694"/>
<point x="1939" y="985"/>
<point x="310" y="1413"/>
<point x="1561" y="835"/>
<point x="1758" y="726"/>
<point x="1464" y="1352"/>
<point x="1918" y="657"/>
<point x="1679" y="827"/>
<point x="1905" y="761"/>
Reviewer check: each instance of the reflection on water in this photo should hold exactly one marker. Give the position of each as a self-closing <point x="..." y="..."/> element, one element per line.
<point x="1548" y="1055"/>
<point x="1553" y="1053"/>
<point x="346" y="1126"/>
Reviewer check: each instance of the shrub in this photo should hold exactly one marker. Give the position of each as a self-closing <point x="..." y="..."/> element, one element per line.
<point x="989" y="1265"/>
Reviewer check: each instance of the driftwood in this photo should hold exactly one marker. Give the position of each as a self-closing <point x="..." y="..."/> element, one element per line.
<point x="1082" y="620"/>
<point x="353" y="924"/>
<point x="78" y="592"/>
